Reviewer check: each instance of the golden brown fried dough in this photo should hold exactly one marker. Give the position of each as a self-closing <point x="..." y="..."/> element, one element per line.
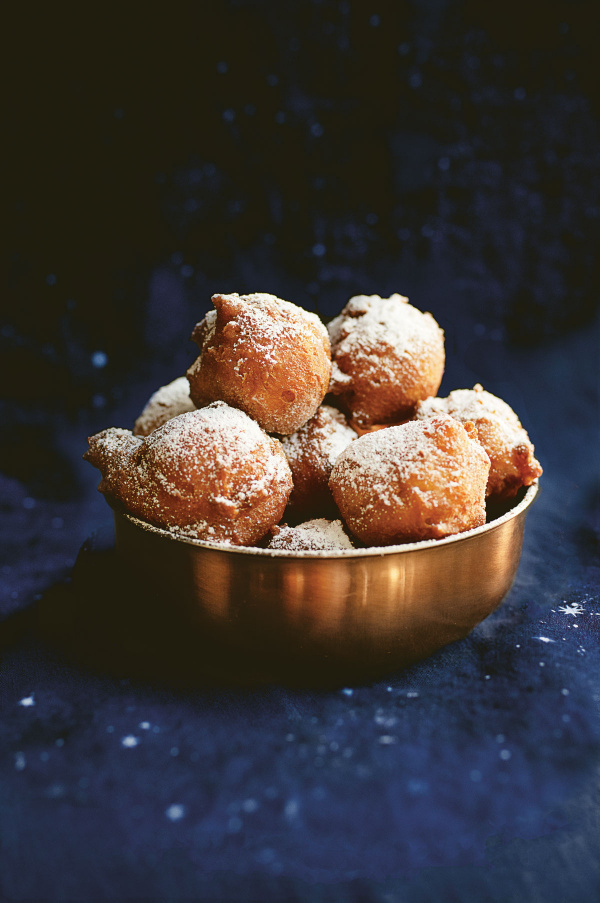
<point x="420" y="480"/>
<point x="387" y="357"/>
<point x="213" y="474"/>
<point x="312" y="535"/>
<point x="263" y="355"/>
<point x="499" y="430"/>
<point x="311" y="452"/>
<point x="166" y="403"/>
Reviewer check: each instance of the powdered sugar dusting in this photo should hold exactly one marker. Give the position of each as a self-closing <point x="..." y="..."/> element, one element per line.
<point x="257" y="318"/>
<point x="313" y="535"/>
<point x="167" y="402"/>
<point x="228" y="437"/>
<point x="324" y="438"/>
<point x="418" y="480"/>
<point x="499" y="431"/>
<point x="471" y="404"/>
<point x="370" y="323"/>
<point x="266" y="356"/>
<point x="392" y="455"/>
<point x="211" y="472"/>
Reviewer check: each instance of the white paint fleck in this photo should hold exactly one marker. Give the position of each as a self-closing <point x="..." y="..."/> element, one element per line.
<point x="347" y="691"/>
<point x="572" y="608"/>
<point x="20" y="761"/>
<point x="505" y="754"/>
<point x="412" y="694"/>
<point x="387" y="739"/>
<point x="175" y="812"/>
<point x="544" y="639"/>
<point x="129" y="741"/>
<point x="27" y="701"/>
<point x="144" y="725"/>
<point x="564" y="691"/>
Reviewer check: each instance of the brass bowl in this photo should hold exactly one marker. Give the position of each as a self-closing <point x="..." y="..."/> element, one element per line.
<point x="322" y="618"/>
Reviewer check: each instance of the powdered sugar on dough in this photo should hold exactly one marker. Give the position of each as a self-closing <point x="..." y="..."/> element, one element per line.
<point x="264" y="355"/>
<point x="324" y="437"/>
<point x="472" y="404"/>
<point x="369" y="322"/>
<point x="500" y="432"/>
<point x="167" y="402"/>
<point x="312" y="535"/>
<point x="386" y="356"/>
<point x="389" y="457"/>
<point x="212" y="473"/>
<point x="415" y="481"/>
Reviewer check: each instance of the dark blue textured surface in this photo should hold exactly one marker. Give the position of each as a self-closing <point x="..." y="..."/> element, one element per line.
<point x="313" y="151"/>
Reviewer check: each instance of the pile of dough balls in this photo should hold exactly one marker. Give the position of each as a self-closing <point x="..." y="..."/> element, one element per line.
<point x="290" y="435"/>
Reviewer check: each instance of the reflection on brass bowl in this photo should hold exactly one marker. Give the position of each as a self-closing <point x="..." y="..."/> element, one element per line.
<point x="322" y="618"/>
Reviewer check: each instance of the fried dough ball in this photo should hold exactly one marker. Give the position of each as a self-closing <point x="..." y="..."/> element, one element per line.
<point x="212" y="474"/>
<point x="311" y="453"/>
<point x="387" y="357"/>
<point x="499" y="430"/>
<point x="263" y="355"/>
<point x="420" y="480"/>
<point x="166" y="403"/>
<point x="312" y="535"/>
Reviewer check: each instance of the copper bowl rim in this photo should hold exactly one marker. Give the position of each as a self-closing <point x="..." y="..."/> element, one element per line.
<point x="367" y="552"/>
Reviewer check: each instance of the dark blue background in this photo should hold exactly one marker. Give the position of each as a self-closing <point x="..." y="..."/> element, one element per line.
<point x="446" y="150"/>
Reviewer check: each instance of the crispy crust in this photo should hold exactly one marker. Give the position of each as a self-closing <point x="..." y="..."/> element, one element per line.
<point x="513" y="462"/>
<point x="212" y="474"/>
<point x="387" y="356"/>
<point x="419" y="480"/>
<point x="262" y="355"/>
